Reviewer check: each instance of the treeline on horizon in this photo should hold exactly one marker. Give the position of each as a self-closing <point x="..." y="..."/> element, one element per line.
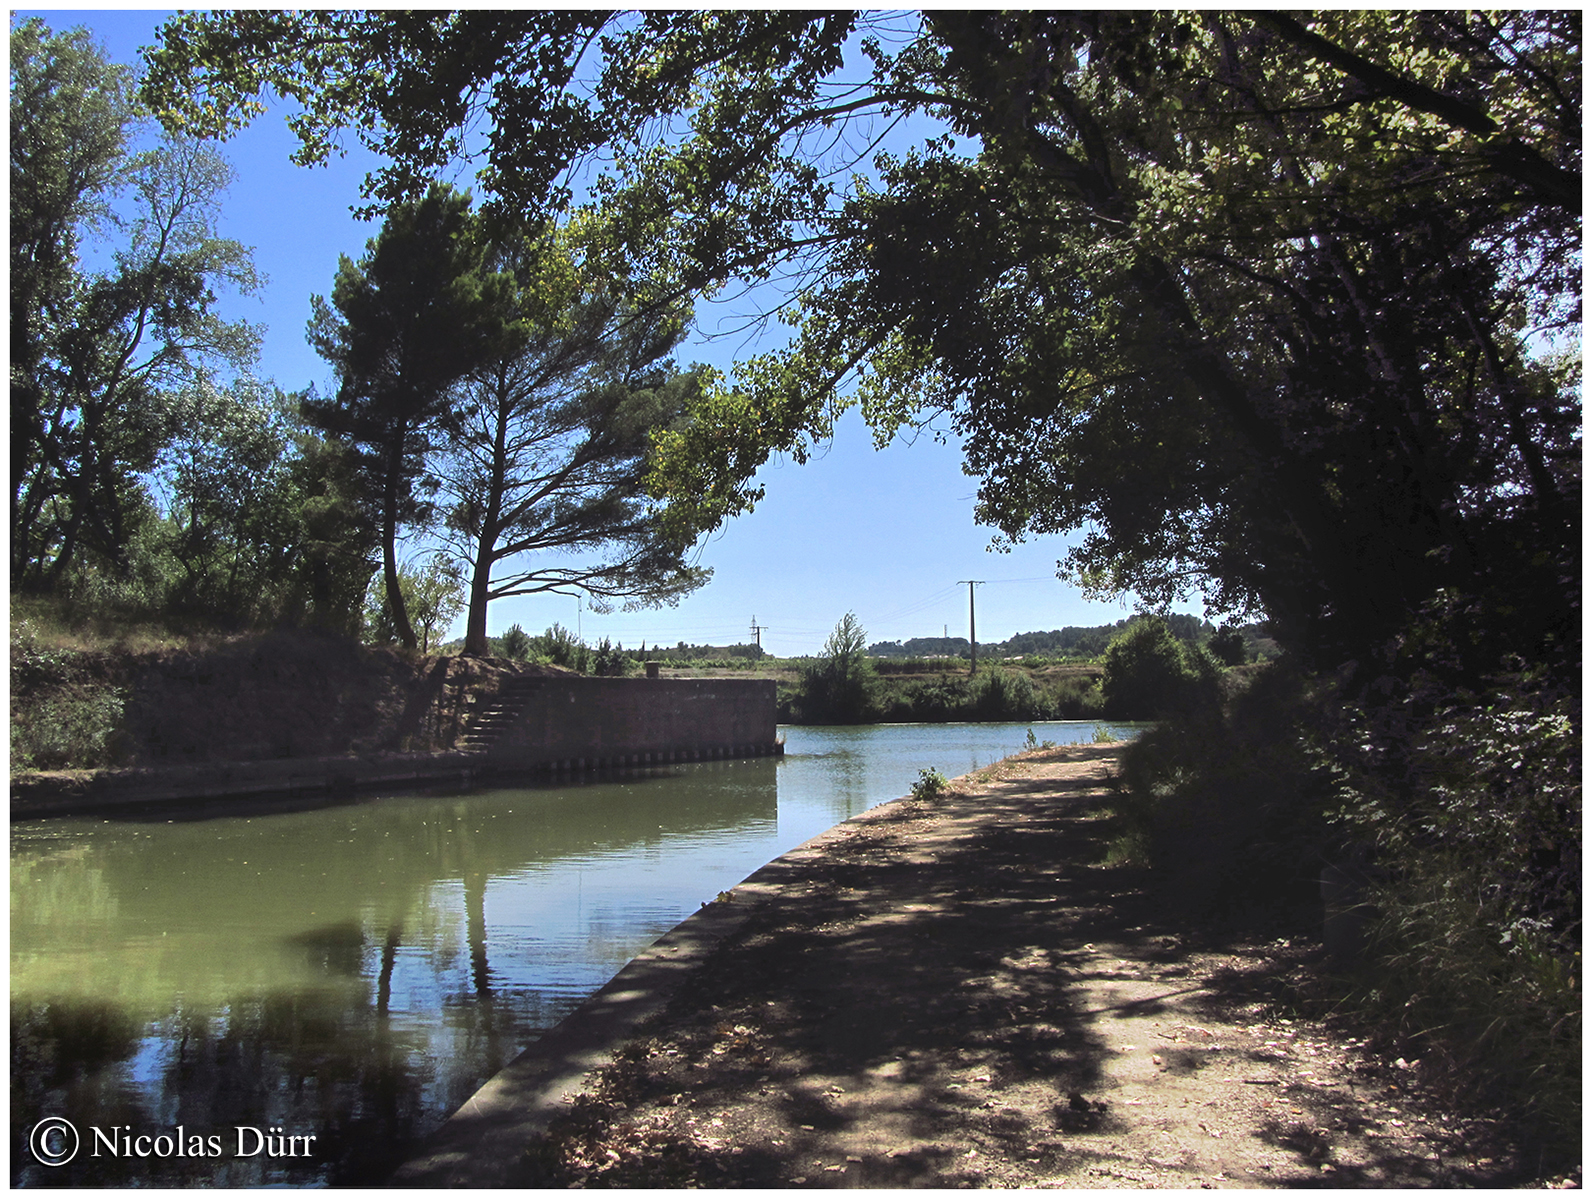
<point x="1080" y="643"/>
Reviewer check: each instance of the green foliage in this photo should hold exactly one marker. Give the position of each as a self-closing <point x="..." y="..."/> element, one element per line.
<point x="235" y="520"/>
<point x="97" y="356"/>
<point x="68" y="731"/>
<point x="418" y="312"/>
<point x="1228" y="647"/>
<point x="942" y="647"/>
<point x="1072" y="644"/>
<point x="1226" y="802"/>
<point x="1148" y="672"/>
<point x="547" y="444"/>
<point x="724" y="656"/>
<point x="1476" y="942"/>
<point x="1002" y="695"/>
<point x="1472" y="856"/>
<point x="433" y="596"/>
<point x="136" y="589"/>
<point x="1103" y="734"/>
<point x="837" y="689"/>
<point x="71" y="718"/>
<point x="336" y="553"/>
<point x="33" y="660"/>
<point x="609" y="658"/>
<point x="515" y="643"/>
<point x="562" y="648"/>
<point x="930" y="784"/>
<point x="1197" y="357"/>
<point x="436" y="596"/>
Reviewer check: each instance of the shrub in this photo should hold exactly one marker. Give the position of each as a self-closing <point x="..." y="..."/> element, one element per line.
<point x="1009" y="695"/>
<point x="1475" y="944"/>
<point x="1228" y="647"/>
<point x="609" y="658"/>
<point x="930" y="785"/>
<point x="74" y="729"/>
<point x="1469" y="825"/>
<point x="1147" y="672"/>
<point x="1227" y="803"/>
<point x="515" y="643"/>
<point x="838" y="687"/>
<point x="1076" y="698"/>
<point x="943" y="699"/>
<point x="562" y="648"/>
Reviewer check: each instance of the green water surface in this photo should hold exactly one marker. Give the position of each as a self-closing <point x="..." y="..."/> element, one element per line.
<point x="354" y="972"/>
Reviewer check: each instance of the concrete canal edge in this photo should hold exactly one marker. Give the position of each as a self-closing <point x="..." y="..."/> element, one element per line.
<point x="337" y="777"/>
<point x="481" y="1144"/>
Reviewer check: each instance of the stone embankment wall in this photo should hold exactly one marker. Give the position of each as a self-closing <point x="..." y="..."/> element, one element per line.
<point x="575" y="723"/>
<point x="296" y="695"/>
<point x="298" y="715"/>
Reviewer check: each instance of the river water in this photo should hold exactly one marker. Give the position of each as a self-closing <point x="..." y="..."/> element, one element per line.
<point x="354" y="972"/>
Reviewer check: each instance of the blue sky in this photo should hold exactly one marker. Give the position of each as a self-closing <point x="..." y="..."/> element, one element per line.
<point x="884" y="534"/>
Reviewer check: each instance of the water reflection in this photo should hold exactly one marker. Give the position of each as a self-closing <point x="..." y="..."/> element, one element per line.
<point x="355" y="972"/>
<point x="352" y="972"/>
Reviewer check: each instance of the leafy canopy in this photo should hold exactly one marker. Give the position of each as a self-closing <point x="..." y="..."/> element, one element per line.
<point x="417" y="313"/>
<point x="547" y="445"/>
<point x="97" y="356"/>
<point x="1258" y="303"/>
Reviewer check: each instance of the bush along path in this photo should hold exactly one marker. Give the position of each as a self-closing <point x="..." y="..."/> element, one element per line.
<point x="949" y="991"/>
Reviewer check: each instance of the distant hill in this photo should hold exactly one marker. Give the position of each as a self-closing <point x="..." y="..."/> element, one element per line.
<point x="941" y="647"/>
<point x="1081" y="641"/>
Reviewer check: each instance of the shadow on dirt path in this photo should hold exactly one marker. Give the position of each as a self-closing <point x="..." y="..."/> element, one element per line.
<point x="951" y="993"/>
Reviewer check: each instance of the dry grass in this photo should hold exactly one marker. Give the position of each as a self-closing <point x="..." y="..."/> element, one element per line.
<point x="53" y="626"/>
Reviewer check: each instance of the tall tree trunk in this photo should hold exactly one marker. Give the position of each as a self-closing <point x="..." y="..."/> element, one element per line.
<point x="395" y="594"/>
<point x="480" y="582"/>
<point x="487" y="541"/>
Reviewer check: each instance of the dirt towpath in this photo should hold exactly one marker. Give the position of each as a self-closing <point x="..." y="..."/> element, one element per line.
<point x="953" y="993"/>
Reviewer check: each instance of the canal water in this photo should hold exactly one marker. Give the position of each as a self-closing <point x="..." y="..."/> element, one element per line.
<point x="217" y="984"/>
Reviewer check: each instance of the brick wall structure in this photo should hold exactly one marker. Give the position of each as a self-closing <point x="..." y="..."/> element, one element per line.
<point x="575" y="722"/>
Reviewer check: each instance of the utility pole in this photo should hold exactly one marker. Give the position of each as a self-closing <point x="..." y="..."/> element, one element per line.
<point x="973" y="645"/>
<point x="757" y="631"/>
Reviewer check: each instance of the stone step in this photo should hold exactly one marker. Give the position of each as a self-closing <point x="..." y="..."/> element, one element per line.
<point x="498" y="715"/>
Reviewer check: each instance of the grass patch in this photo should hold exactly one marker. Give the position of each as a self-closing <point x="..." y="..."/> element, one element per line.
<point x="64" y="712"/>
<point x="50" y="623"/>
<point x="76" y="729"/>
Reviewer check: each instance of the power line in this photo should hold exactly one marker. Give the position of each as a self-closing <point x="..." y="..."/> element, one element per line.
<point x="913" y="607"/>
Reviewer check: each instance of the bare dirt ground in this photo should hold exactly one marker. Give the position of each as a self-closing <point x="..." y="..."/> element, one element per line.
<point x="952" y="993"/>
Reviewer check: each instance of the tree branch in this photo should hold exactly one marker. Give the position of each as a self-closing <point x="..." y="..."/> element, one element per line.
<point x="1514" y="159"/>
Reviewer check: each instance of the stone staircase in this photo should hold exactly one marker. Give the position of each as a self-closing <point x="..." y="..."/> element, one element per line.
<point x="499" y="714"/>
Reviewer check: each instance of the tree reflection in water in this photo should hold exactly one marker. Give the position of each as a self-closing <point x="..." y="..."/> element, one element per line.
<point x="357" y="971"/>
<point x="333" y="972"/>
